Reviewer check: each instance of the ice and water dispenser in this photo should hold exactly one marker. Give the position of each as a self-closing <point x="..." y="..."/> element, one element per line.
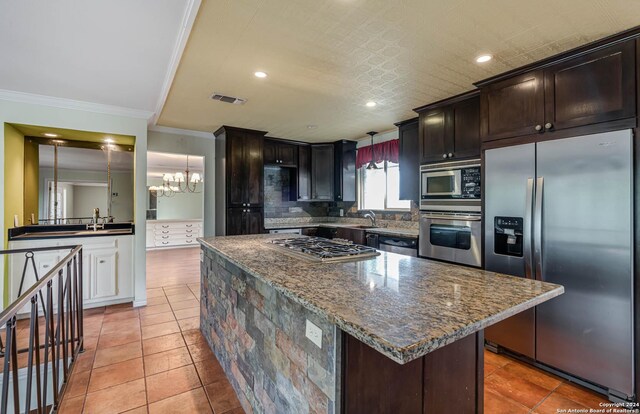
<point x="508" y="236"/>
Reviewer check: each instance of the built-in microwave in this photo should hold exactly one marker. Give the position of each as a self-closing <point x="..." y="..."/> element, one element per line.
<point x="450" y="182"/>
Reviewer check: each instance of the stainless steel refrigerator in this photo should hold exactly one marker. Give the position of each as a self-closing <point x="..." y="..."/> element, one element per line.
<point x="561" y="211"/>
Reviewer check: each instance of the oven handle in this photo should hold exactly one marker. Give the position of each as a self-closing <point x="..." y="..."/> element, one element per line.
<point x="452" y="218"/>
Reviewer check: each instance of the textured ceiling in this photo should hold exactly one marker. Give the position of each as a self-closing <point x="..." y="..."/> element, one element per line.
<point x="326" y="59"/>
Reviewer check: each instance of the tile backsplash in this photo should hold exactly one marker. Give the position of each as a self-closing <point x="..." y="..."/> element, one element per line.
<point x="277" y="203"/>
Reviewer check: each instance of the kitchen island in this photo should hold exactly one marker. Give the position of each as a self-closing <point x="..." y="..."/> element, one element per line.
<point x="390" y="333"/>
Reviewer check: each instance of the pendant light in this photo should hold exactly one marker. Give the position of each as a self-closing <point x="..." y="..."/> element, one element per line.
<point x="372" y="164"/>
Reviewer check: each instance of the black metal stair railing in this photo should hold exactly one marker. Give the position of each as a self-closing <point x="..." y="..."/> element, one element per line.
<point x="53" y="304"/>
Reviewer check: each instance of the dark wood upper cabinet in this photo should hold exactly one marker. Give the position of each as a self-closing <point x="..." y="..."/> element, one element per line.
<point x="465" y="118"/>
<point x="577" y="89"/>
<point x="280" y="153"/>
<point x="345" y="171"/>
<point x="450" y="129"/>
<point x="322" y="172"/>
<point x="254" y="170"/>
<point x="270" y="151"/>
<point x="433" y="133"/>
<point x="304" y="173"/>
<point x="409" y="160"/>
<point x="513" y="107"/>
<point x="598" y="87"/>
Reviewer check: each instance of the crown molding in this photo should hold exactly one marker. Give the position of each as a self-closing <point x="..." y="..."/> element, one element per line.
<point x="188" y="19"/>
<point x="178" y="131"/>
<point x="35" y="99"/>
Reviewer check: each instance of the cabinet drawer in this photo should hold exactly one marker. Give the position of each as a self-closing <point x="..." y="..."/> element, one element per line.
<point x="176" y="242"/>
<point x="177" y="225"/>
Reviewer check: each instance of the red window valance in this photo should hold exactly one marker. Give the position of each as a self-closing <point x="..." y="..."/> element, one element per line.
<point x="384" y="151"/>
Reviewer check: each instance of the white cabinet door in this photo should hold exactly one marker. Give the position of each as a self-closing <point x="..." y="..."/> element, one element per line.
<point x="103" y="273"/>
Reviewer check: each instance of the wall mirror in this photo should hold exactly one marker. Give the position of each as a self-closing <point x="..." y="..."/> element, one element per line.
<point x="76" y="177"/>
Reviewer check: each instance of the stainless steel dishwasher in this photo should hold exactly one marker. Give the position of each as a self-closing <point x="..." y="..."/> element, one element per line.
<point x="401" y="245"/>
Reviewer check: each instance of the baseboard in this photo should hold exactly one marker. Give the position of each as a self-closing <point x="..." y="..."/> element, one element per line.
<point x="138" y="303"/>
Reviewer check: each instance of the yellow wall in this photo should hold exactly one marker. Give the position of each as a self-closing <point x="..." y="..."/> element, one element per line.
<point x="31" y="177"/>
<point x="13" y="186"/>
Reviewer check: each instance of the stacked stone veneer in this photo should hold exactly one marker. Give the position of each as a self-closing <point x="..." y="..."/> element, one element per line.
<point x="258" y="336"/>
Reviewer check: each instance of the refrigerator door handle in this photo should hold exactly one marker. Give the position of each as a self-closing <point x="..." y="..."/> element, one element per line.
<point x="537" y="228"/>
<point x="528" y="217"/>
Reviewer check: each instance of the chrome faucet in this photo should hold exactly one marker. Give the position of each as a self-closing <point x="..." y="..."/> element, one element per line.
<point x="371" y="216"/>
<point x="94" y="220"/>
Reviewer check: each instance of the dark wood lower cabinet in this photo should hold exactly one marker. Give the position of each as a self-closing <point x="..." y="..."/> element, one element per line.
<point x="448" y="380"/>
<point x="244" y="221"/>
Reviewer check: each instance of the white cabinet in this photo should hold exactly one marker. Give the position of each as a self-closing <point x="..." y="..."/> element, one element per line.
<point x="102" y="270"/>
<point x="178" y="233"/>
<point x="107" y="267"/>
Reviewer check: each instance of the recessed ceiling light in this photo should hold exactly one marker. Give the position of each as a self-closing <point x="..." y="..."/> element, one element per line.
<point x="312" y="126"/>
<point x="371" y="104"/>
<point x="484" y="58"/>
<point x="108" y="140"/>
<point x="50" y="135"/>
<point x="260" y="74"/>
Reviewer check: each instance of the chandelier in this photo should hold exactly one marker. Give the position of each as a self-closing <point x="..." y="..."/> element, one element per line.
<point x="180" y="182"/>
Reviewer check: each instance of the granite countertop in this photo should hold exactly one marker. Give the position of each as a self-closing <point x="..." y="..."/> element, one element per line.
<point x="390" y="231"/>
<point x="402" y="306"/>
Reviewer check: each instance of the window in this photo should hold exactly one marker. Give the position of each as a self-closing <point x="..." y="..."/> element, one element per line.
<point x="380" y="189"/>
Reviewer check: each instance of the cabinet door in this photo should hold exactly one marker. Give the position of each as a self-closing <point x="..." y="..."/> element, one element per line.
<point x="345" y="171"/>
<point x="254" y="167"/>
<point x="597" y="87"/>
<point x="513" y="107"/>
<point x="253" y="221"/>
<point x="304" y="173"/>
<point x="322" y="172"/>
<point x="409" y="162"/>
<point x="288" y="155"/>
<point x="235" y="221"/>
<point x="433" y="135"/>
<point x="270" y="151"/>
<point x="103" y="275"/>
<point x="235" y="170"/>
<point x="466" y="129"/>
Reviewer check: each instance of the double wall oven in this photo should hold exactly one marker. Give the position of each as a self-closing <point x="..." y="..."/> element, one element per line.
<point x="450" y="219"/>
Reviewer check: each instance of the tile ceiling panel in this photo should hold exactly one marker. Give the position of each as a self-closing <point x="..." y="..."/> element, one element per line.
<point x="326" y="59"/>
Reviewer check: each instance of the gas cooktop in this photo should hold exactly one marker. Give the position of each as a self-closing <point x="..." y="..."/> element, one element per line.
<point x="324" y="250"/>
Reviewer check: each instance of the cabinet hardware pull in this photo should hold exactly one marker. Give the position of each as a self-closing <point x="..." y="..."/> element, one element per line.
<point x="444" y="155"/>
<point x="165" y="227"/>
<point x="548" y="125"/>
<point x="451" y="155"/>
<point x="538" y="127"/>
<point x="101" y="261"/>
<point x="189" y="225"/>
<point x="45" y="266"/>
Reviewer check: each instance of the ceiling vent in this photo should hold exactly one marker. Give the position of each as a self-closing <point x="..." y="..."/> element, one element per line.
<point x="228" y="99"/>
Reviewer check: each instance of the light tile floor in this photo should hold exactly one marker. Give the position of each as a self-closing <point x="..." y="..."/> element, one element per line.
<point x="151" y="359"/>
<point x="154" y="359"/>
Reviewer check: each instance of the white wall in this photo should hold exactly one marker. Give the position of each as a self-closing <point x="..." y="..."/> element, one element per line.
<point x="89" y="117"/>
<point x="191" y="143"/>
